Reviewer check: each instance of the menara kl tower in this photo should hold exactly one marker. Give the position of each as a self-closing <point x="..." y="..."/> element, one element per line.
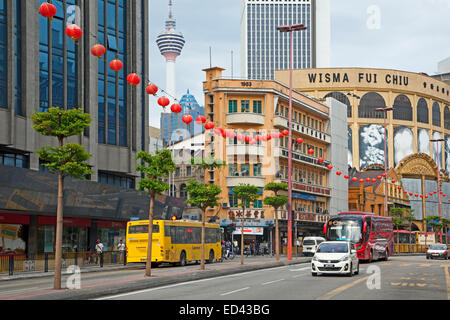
<point x="170" y="43"/>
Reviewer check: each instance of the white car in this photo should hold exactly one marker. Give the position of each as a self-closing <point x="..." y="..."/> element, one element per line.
<point x="438" y="251"/>
<point x="335" y="257"/>
<point x="310" y="245"/>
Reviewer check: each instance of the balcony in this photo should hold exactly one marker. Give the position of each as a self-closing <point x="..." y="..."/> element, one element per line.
<point x="254" y="181"/>
<point x="245" y="118"/>
<point x="302" y="186"/>
<point x="301" y="157"/>
<point x="282" y="123"/>
<point x="242" y="150"/>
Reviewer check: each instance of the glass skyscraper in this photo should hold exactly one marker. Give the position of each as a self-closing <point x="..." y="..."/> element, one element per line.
<point x="264" y="49"/>
<point x="41" y="67"/>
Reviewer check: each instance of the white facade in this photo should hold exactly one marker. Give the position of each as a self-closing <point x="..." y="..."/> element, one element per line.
<point x="264" y="49"/>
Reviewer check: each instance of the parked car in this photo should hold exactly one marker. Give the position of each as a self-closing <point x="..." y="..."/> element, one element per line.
<point x="335" y="257"/>
<point x="438" y="251"/>
<point x="310" y="245"/>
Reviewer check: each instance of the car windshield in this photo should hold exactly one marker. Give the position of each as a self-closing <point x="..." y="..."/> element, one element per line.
<point x="309" y="242"/>
<point x="333" y="248"/>
<point x="438" y="247"/>
<point x="344" y="229"/>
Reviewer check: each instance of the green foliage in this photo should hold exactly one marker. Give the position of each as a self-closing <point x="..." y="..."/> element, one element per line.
<point x="276" y="187"/>
<point x="397" y="216"/>
<point x="247" y="193"/>
<point x="203" y="195"/>
<point x="277" y="201"/>
<point x="208" y="163"/>
<point x="61" y="123"/>
<point x="434" y="222"/>
<point x="71" y="160"/>
<point x="410" y="217"/>
<point x="154" y="168"/>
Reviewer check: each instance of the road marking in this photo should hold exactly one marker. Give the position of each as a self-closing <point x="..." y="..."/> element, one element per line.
<point x="447" y="278"/>
<point x="335" y="292"/>
<point x="238" y="290"/>
<point x="299" y="275"/>
<point x="425" y="265"/>
<point x="270" y="282"/>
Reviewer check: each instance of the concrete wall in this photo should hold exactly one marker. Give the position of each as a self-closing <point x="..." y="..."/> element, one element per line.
<point x="338" y="152"/>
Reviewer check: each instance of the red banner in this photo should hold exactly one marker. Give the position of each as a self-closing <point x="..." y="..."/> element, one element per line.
<point x="7" y="218"/>
<point x="73" y="222"/>
<point x="111" y="224"/>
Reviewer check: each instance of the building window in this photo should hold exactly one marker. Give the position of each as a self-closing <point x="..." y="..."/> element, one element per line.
<point x="447" y="118"/>
<point x="14" y="160"/>
<point x="436" y="115"/>
<point x="183" y="192"/>
<point x="257" y="107"/>
<point x="3" y="55"/>
<point x="402" y="108"/>
<point x="368" y="105"/>
<point x="232" y="106"/>
<point x="422" y="111"/>
<point x="119" y="180"/>
<point x="339" y="96"/>
<point x="257" y="169"/>
<point x="245" y="106"/>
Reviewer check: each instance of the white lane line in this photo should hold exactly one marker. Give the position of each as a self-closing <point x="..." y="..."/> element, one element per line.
<point x="238" y="290"/>
<point x="274" y="281"/>
<point x="299" y="275"/>
<point x="301" y="269"/>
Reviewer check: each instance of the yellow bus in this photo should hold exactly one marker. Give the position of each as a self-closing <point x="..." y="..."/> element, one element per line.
<point x="175" y="242"/>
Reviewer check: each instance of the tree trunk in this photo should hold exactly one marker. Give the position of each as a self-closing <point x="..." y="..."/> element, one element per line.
<point x="59" y="232"/>
<point x="242" y="237"/>
<point x="398" y="241"/>
<point x="202" y="260"/>
<point x="148" y="265"/>
<point x="277" y="237"/>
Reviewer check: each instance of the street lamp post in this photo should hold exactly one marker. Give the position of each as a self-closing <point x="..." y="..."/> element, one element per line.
<point x="439" y="181"/>
<point x="290" y="29"/>
<point x="385" y="110"/>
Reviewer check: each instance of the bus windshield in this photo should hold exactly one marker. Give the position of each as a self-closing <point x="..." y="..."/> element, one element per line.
<point x="345" y="229"/>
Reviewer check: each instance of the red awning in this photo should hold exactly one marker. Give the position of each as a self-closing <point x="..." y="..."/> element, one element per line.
<point x="9" y="218"/>
<point x="73" y="222"/>
<point x="111" y="224"/>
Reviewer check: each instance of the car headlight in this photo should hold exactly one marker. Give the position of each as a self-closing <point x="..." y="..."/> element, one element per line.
<point x="315" y="258"/>
<point x="344" y="258"/>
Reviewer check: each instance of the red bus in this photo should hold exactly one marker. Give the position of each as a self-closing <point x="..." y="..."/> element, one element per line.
<point x="372" y="235"/>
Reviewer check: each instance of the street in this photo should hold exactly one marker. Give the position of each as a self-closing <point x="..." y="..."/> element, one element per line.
<point x="400" y="278"/>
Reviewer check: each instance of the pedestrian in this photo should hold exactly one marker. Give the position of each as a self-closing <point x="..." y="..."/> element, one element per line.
<point x="121" y="247"/>
<point x="257" y="248"/>
<point x="252" y="247"/>
<point x="99" y="251"/>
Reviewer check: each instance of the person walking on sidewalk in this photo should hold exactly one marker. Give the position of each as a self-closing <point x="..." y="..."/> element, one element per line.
<point x="99" y="251"/>
<point x="121" y="247"/>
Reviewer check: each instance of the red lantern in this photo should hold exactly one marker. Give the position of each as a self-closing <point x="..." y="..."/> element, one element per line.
<point x="231" y="134"/>
<point x="151" y="89"/>
<point x="133" y="79"/>
<point x="209" y="125"/>
<point x="426" y="196"/>
<point x="240" y="137"/>
<point x="116" y="65"/>
<point x="201" y="120"/>
<point x="443" y="195"/>
<point x="368" y="179"/>
<point x="329" y="167"/>
<point x="268" y="137"/>
<point x="405" y="192"/>
<point x="374" y="180"/>
<point x="98" y="50"/>
<point x="355" y="179"/>
<point x="320" y="160"/>
<point x="247" y="139"/>
<point x="311" y="151"/>
<point x="421" y="195"/>
<point x="338" y="173"/>
<point x="187" y="118"/>
<point x="416" y="195"/>
<point x="285" y="132"/>
<point x="163" y="102"/>
<point x="384" y="175"/>
<point x="258" y="138"/>
<point x="218" y="131"/>
<point x="361" y="180"/>
<point x="176" y="108"/>
<point x="347" y="176"/>
<point x="393" y="181"/>
<point x="410" y="193"/>
<point x="299" y="140"/>
<point x="399" y="188"/>
<point x="379" y="177"/>
<point x="47" y="10"/>
<point x="74" y="32"/>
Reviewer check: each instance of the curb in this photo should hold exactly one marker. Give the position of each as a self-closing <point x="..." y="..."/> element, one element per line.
<point x="154" y="282"/>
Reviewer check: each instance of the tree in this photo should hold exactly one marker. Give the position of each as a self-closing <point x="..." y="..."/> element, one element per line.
<point x="397" y="220"/>
<point x="434" y="222"/>
<point x="410" y="217"/>
<point x="276" y="202"/>
<point x="203" y="196"/>
<point x="154" y="169"/>
<point x="248" y="194"/>
<point x="65" y="160"/>
<point x="445" y="222"/>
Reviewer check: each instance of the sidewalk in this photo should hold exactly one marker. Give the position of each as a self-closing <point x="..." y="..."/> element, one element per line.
<point x="137" y="281"/>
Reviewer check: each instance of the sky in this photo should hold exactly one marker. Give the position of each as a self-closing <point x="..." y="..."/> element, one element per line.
<point x="408" y="35"/>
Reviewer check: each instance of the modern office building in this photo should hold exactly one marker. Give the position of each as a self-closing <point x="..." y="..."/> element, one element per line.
<point x="40" y="67"/>
<point x="173" y="129"/>
<point x="421" y="112"/>
<point x="260" y="108"/>
<point x="170" y="43"/>
<point x="264" y="49"/>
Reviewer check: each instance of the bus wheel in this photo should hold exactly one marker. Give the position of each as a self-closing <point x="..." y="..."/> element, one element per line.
<point x="183" y="258"/>
<point x="211" y="256"/>
<point x="386" y="255"/>
<point x="371" y="256"/>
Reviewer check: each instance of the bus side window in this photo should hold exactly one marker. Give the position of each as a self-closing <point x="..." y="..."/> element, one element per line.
<point x="369" y="227"/>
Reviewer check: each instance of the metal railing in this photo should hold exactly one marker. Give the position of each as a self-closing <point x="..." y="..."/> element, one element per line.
<point x="13" y="263"/>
